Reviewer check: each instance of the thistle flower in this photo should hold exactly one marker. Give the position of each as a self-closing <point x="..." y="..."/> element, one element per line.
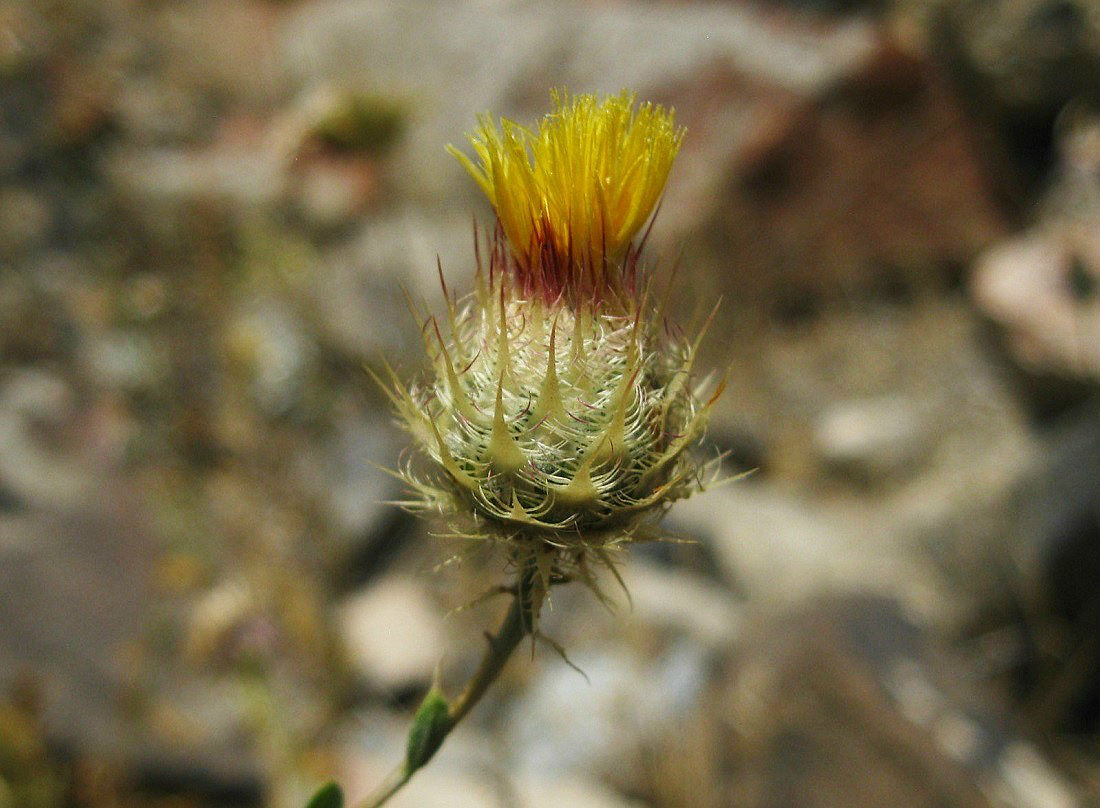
<point x="558" y="412"/>
<point x="559" y="409"/>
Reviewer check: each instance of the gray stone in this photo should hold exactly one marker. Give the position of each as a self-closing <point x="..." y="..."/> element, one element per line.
<point x="1026" y="57"/>
<point x="595" y="725"/>
<point x="1028" y="780"/>
<point x="1023" y="286"/>
<point x="873" y="440"/>
<point x="34" y="393"/>
<point x="937" y="543"/>
<point x="778" y="546"/>
<point x="210" y="47"/>
<point x="357" y="299"/>
<point x="673" y="602"/>
<point x="214" y="618"/>
<point x="392" y="633"/>
<point x="1042" y="288"/>
<point x="158" y="112"/>
<point x="345" y="473"/>
<point x="74" y="598"/>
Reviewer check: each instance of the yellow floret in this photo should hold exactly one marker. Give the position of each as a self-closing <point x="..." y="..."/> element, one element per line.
<point x="571" y="194"/>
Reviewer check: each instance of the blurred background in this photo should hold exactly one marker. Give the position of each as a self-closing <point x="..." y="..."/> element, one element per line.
<point x="208" y="211"/>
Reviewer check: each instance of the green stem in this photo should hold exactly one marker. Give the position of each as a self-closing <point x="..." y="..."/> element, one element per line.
<point x="388" y="787"/>
<point x="518" y="623"/>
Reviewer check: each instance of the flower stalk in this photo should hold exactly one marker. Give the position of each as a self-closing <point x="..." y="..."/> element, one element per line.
<point x="436" y="717"/>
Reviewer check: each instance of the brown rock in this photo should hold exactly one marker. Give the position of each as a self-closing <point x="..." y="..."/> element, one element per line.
<point x="844" y="703"/>
<point x="854" y="185"/>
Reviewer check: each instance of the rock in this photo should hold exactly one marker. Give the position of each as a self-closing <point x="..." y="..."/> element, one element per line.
<point x="215" y="622"/>
<point x="765" y="195"/>
<point x="189" y="720"/>
<point x="354" y="483"/>
<point x="1073" y="198"/>
<point x="1028" y="780"/>
<point x="333" y="143"/>
<point x="1030" y="53"/>
<point x="75" y="602"/>
<point x="344" y="472"/>
<point x="358" y="487"/>
<point x="146" y="296"/>
<point x="1025" y="286"/>
<point x="596" y="725"/>
<point x="928" y="361"/>
<point x="37" y="394"/>
<point x="434" y="787"/>
<point x="984" y="509"/>
<point x="872" y="441"/>
<point x="937" y="544"/>
<point x="218" y="50"/>
<point x="357" y="299"/>
<point x="674" y="602"/>
<point x="844" y="702"/>
<point x="157" y="113"/>
<point x="1049" y="646"/>
<point x="393" y="634"/>
<point x="29" y="775"/>
<point x="339" y="121"/>
<point x="1041" y="289"/>
<point x="776" y="545"/>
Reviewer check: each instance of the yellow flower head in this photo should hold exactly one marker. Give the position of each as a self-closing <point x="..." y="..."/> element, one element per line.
<point x="572" y="194"/>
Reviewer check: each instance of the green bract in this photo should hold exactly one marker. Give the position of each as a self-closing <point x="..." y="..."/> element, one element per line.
<point x="551" y="426"/>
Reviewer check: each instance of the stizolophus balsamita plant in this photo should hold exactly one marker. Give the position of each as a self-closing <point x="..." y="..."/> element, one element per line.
<point x="558" y="411"/>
